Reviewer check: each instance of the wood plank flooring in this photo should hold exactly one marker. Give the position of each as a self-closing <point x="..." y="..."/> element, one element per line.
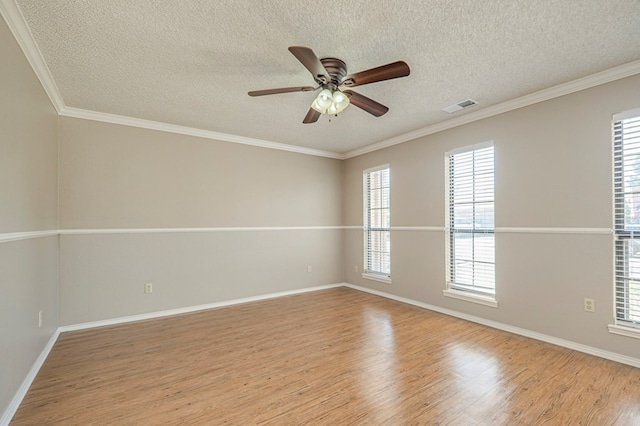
<point x="334" y="357"/>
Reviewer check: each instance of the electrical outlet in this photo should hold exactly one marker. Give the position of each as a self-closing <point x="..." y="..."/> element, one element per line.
<point x="40" y="319"/>
<point x="589" y="305"/>
<point x="355" y="268"/>
<point x="148" y="288"/>
<point x="309" y="269"/>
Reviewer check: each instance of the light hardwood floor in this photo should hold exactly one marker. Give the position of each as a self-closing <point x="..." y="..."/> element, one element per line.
<point x="334" y="357"/>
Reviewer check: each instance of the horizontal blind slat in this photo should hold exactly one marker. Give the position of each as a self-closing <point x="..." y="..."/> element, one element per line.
<point x="377" y="222"/>
<point x="471" y="240"/>
<point x="626" y="174"/>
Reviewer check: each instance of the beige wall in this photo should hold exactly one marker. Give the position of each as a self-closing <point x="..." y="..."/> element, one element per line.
<point x="115" y="177"/>
<point x="28" y="202"/>
<point x="102" y="276"/>
<point x="553" y="169"/>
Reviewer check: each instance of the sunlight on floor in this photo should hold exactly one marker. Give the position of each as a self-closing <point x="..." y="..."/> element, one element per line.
<point x="378" y="373"/>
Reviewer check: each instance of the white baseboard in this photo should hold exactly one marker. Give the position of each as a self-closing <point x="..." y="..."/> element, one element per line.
<point x="188" y="309"/>
<point x="623" y="359"/>
<point x="24" y="388"/>
<point x="20" y="394"/>
<point x="26" y="383"/>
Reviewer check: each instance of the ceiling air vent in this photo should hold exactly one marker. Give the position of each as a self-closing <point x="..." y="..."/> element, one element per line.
<point x="460" y="106"/>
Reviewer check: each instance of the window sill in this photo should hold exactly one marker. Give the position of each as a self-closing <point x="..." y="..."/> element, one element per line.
<point x="374" y="277"/>
<point x="470" y="297"/>
<point x="624" y="331"/>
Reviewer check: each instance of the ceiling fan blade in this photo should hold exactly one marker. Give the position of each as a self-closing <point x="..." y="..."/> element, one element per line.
<point x="282" y="90"/>
<point x="311" y="117"/>
<point x="310" y="62"/>
<point x="381" y="73"/>
<point x="367" y="104"/>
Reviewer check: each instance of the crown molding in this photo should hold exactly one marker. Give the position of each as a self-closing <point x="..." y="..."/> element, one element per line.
<point x="20" y="30"/>
<point x="191" y="131"/>
<point x="593" y="80"/>
<point x="18" y="26"/>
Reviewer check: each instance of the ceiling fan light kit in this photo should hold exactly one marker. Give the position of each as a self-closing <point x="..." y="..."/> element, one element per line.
<point x="331" y="75"/>
<point x="329" y="102"/>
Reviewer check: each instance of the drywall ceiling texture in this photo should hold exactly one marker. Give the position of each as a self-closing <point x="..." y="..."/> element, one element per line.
<point x="192" y="63"/>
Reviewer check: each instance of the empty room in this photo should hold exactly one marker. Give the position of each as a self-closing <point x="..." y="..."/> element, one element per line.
<point x="350" y="213"/>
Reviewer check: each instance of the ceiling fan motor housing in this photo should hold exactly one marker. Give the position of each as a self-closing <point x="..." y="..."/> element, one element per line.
<point x="337" y="70"/>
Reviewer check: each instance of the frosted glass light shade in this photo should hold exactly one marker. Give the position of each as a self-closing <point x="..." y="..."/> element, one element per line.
<point x="328" y="102"/>
<point x="340" y="100"/>
<point x="315" y="106"/>
<point x="324" y="99"/>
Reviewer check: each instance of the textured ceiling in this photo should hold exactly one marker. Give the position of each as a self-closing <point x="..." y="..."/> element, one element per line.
<point x="192" y="62"/>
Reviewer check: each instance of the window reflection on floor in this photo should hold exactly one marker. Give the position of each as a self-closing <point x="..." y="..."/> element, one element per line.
<point x="477" y="373"/>
<point x="378" y="374"/>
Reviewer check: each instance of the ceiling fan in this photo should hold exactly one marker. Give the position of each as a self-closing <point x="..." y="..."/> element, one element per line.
<point x="331" y="75"/>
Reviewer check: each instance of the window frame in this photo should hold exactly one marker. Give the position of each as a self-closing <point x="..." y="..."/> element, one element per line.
<point x="623" y="233"/>
<point x="466" y="292"/>
<point x="368" y="271"/>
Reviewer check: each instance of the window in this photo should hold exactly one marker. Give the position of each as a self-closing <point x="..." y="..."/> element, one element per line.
<point x="377" y="223"/>
<point x="626" y="183"/>
<point x="470" y="224"/>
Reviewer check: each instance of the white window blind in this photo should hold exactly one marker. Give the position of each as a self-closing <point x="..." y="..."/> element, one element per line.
<point x="377" y="222"/>
<point x="626" y="181"/>
<point x="470" y="221"/>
